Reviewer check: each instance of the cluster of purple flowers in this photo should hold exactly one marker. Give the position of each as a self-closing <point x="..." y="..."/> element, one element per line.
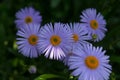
<point x="69" y="42"/>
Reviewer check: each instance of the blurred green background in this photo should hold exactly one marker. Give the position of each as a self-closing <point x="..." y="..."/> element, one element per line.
<point x="14" y="66"/>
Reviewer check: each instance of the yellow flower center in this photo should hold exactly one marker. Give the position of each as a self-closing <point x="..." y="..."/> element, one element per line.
<point x="55" y="40"/>
<point x="33" y="39"/>
<point x="28" y="19"/>
<point x="75" y="37"/>
<point x="92" y="62"/>
<point x="94" y="24"/>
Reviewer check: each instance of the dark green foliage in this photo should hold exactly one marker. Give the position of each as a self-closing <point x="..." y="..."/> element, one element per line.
<point x="14" y="66"/>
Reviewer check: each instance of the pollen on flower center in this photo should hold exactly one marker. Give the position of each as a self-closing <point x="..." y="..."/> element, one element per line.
<point x="75" y="37"/>
<point x="94" y="24"/>
<point x="33" y="39"/>
<point x="91" y="62"/>
<point x="28" y="19"/>
<point x="55" y="40"/>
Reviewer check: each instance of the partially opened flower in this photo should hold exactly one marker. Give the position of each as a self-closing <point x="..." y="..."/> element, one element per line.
<point x="95" y="23"/>
<point x="27" y="15"/>
<point x="55" y="40"/>
<point x="79" y="35"/>
<point x="27" y="40"/>
<point x="32" y="69"/>
<point x="90" y="63"/>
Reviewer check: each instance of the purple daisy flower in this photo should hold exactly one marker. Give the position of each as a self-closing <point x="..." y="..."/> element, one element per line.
<point x="79" y="35"/>
<point x="26" y="16"/>
<point x="90" y="63"/>
<point x="95" y="23"/>
<point x="27" y="40"/>
<point x="55" y="40"/>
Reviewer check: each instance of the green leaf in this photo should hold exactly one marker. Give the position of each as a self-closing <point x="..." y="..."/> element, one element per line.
<point x="47" y="76"/>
